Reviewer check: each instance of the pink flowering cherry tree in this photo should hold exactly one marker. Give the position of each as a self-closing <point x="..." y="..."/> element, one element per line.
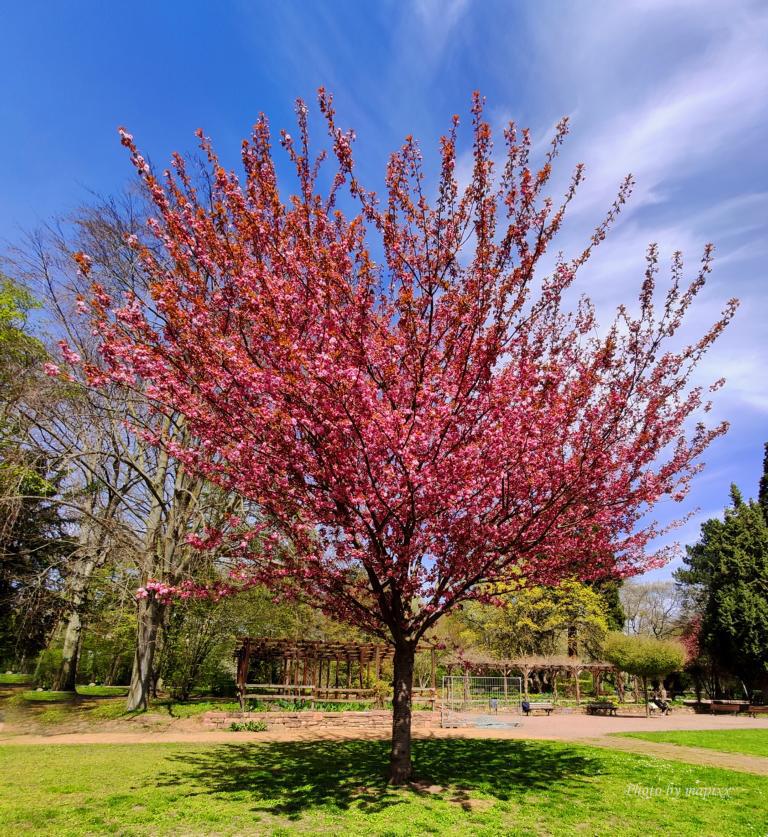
<point x="416" y="410"/>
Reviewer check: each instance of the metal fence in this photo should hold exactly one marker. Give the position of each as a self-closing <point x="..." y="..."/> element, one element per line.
<point x="481" y="701"/>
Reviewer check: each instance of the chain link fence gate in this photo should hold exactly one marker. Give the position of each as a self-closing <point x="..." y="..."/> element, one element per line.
<point x="481" y="701"/>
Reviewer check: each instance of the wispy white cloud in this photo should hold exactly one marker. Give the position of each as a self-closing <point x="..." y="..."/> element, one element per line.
<point x="438" y="18"/>
<point x="677" y="94"/>
<point x="701" y="103"/>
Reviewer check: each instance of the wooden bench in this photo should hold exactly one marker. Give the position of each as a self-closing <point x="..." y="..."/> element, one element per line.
<point x="728" y="707"/>
<point x="544" y="706"/>
<point x="754" y="711"/>
<point x="602" y="708"/>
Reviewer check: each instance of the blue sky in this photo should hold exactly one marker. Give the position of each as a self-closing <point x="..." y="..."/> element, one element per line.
<point x="674" y="92"/>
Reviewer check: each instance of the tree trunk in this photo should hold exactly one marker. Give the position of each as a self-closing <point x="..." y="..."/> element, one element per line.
<point x="150" y="618"/>
<point x="113" y="669"/>
<point x="620" y="686"/>
<point x="78" y="584"/>
<point x="645" y="692"/>
<point x="400" y="759"/>
<point x="573" y="641"/>
<point x="70" y="653"/>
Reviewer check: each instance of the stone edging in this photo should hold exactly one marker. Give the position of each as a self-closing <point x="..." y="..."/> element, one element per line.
<point x="372" y="719"/>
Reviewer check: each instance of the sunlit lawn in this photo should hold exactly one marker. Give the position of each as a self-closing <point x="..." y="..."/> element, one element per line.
<point x="753" y="742"/>
<point x="8" y="679"/>
<point x="477" y="787"/>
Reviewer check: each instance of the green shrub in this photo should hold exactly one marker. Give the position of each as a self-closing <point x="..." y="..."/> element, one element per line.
<point x="48" y="664"/>
<point x="382" y="693"/>
<point x="248" y="726"/>
<point x="221" y="682"/>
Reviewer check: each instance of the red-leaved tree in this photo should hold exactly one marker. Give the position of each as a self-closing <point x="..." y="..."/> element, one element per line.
<point x="415" y="410"/>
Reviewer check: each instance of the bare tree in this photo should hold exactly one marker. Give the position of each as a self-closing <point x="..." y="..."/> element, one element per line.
<point x="131" y="501"/>
<point x="652" y="608"/>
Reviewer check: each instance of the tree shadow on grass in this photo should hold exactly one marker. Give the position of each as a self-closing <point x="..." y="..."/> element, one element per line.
<point x="290" y="779"/>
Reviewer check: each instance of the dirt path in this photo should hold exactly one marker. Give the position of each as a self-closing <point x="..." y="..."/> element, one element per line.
<point x="676" y="752"/>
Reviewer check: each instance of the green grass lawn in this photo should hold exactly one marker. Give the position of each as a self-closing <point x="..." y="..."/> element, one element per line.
<point x="47" y="697"/>
<point x="15" y="679"/>
<point x="753" y="742"/>
<point x="83" y="691"/>
<point x="102" y="691"/>
<point x="480" y="787"/>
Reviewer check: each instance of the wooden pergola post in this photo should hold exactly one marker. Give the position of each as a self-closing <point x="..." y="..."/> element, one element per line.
<point x="243" y="664"/>
<point x="433" y="678"/>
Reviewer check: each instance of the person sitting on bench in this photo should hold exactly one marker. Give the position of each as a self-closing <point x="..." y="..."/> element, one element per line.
<point x="658" y="702"/>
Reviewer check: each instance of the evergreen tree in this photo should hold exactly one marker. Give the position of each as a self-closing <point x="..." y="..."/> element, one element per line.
<point x="614" y="610"/>
<point x="728" y="573"/>
<point x="762" y="496"/>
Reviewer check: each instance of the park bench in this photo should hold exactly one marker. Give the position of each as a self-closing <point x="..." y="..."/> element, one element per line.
<point x="543" y="706"/>
<point x="601" y="708"/>
<point x="754" y="710"/>
<point x="728" y="707"/>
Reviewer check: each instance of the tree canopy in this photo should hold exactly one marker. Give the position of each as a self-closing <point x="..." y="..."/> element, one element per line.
<point x="415" y="408"/>
<point x="541" y="621"/>
<point x="644" y="656"/>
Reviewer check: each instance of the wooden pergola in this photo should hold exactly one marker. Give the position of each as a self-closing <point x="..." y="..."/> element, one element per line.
<point x="550" y="667"/>
<point x="313" y="670"/>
